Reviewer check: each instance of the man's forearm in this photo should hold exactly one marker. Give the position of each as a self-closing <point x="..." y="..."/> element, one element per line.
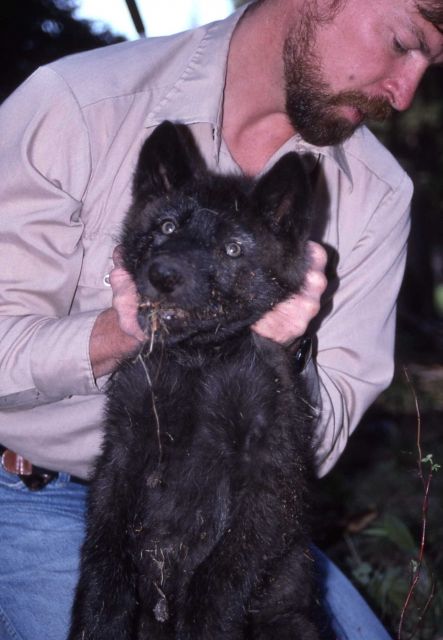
<point x="109" y="344"/>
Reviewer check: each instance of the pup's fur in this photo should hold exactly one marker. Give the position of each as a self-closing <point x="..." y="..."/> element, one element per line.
<point x="196" y="525"/>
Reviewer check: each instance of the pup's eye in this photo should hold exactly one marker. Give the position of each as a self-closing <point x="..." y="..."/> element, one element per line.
<point x="233" y="249"/>
<point x="168" y="227"/>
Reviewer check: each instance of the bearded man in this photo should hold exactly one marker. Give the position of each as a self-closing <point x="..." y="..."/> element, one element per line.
<point x="281" y="75"/>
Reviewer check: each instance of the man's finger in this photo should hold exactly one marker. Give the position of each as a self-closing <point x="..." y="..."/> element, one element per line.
<point x="318" y="255"/>
<point x="117" y="256"/>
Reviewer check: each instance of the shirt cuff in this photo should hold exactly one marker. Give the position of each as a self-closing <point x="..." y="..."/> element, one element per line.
<point x="60" y="362"/>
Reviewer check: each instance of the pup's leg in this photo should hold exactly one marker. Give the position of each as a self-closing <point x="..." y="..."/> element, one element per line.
<point x="283" y="606"/>
<point x="105" y="601"/>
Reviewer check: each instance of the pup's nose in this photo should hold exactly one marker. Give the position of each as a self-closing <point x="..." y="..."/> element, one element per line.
<point x="164" y="276"/>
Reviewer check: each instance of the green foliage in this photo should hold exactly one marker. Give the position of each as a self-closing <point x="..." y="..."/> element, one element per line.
<point x="391" y="528"/>
<point x="429" y="459"/>
<point x="379" y="475"/>
<point x="384" y="568"/>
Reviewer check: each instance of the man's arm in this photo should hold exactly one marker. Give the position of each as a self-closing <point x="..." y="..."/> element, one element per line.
<point x="47" y="353"/>
<point x="45" y="166"/>
<point x="355" y="358"/>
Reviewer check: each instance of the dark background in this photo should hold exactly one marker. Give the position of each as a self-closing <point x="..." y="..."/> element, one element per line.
<point x="370" y="506"/>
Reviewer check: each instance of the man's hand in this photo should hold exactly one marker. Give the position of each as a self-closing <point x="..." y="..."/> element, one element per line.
<point x="116" y="332"/>
<point x="125" y="298"/>
<point x="290" y="319"/>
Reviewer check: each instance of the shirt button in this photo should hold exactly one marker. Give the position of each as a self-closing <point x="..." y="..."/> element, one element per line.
<point x="106" y="280"/>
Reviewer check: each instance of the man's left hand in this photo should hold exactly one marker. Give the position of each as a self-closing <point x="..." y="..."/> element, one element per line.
<point x="289" y="319"/>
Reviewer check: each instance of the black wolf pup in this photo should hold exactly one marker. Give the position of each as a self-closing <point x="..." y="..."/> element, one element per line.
<point x="196" y="524"/>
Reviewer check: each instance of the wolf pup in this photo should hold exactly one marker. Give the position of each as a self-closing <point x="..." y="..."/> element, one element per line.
<point x="196" y="525"/>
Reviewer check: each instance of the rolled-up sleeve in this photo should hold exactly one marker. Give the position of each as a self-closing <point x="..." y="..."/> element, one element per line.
<point x="44" y="167"/>
<point x="356" y="341"/>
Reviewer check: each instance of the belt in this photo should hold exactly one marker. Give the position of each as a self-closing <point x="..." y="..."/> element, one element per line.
<point x="35" y="478"/>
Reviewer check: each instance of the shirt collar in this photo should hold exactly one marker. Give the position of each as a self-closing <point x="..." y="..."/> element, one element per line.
<point x="189" y="101"/>
<point x="197" y="95"/>
<point x="335" y="153"/>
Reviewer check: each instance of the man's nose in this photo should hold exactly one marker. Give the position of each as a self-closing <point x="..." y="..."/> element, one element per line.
<point x="401" y="86"/>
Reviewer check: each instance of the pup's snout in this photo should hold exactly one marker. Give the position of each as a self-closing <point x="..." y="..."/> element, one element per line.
<point x="164" y="276"/>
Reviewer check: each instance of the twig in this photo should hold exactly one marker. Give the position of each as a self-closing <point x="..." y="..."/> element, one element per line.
<point x="154" y="478"/>
<point x="426" y="482"/>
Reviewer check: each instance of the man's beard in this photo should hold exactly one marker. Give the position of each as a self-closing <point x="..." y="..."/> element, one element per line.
<point x="312" y="109"/>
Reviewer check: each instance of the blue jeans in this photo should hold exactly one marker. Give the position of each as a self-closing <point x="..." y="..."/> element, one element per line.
<point x="40" y="537"/>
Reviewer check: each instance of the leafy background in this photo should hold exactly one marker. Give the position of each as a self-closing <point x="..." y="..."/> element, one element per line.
<point x="369" y="507"/>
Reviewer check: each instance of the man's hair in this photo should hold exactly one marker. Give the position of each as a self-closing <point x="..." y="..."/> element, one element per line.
<point x="334" y="7"/>
<point x="432" y="10"/>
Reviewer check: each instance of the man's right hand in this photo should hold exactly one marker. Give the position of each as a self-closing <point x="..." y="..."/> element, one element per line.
<point x="116" y="332"/>
<point x="125" y="298"/>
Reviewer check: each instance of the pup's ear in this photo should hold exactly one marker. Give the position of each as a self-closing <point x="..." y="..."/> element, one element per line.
<point x="168" y="159"/>
<point x="282" y="197"/>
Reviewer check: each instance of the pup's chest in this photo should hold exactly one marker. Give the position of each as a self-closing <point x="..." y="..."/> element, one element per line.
<point x="220" y="410"/>
<point x="224" y="430"/>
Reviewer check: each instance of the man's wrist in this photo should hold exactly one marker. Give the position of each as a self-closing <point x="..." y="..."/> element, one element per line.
<point x="109" y="344"/>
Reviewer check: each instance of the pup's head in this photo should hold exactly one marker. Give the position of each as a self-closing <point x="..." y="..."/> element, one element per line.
<point x="210" y="254"/>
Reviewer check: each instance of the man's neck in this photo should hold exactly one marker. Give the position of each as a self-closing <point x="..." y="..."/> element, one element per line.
<point x="255" y="124"/>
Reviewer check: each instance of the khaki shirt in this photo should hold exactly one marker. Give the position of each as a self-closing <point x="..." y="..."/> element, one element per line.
<point x="69" y="140"/>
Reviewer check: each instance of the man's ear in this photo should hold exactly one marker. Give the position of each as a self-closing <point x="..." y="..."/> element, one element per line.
<point x="282" y="197"/>
<point x="168" y="159"/>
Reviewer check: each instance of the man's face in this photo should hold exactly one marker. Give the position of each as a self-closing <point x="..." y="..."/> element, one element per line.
<point x="360" y="63"/>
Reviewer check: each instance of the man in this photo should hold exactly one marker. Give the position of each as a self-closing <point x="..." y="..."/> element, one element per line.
<point x="286" y="74"/>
